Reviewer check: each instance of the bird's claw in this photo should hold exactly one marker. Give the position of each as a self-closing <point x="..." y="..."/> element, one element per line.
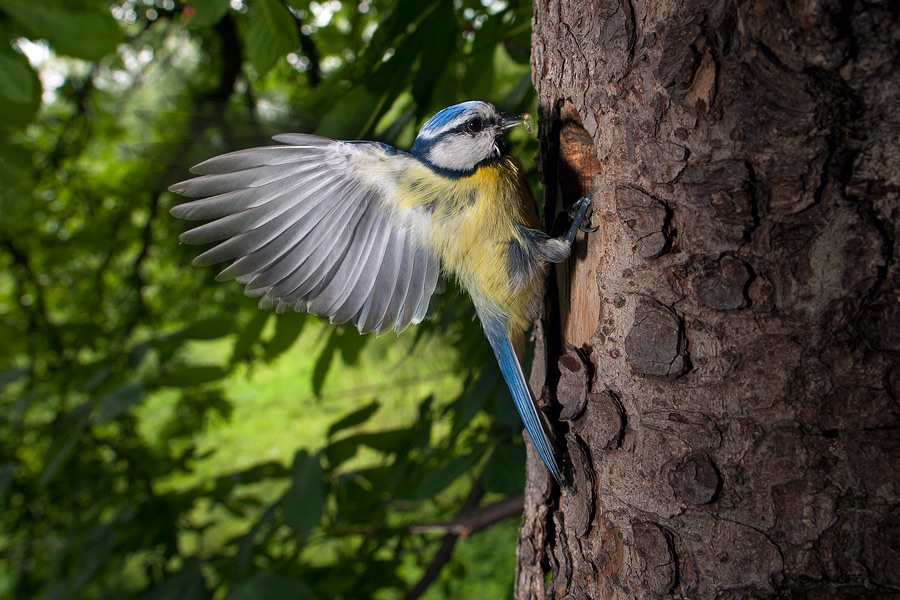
<point x="581" y="218"/>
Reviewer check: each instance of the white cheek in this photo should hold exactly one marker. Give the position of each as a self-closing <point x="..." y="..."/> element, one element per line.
<point x="461" y="153"/>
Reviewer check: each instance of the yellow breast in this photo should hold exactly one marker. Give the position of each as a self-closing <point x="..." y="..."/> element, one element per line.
<point x="473" y="221"/>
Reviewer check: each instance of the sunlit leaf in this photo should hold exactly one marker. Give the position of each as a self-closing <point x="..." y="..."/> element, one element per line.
<point x="271" y="33"/>
<point x="88" y="32"/>
<point x="205" y="12"/>
<point x="20" y="89"/>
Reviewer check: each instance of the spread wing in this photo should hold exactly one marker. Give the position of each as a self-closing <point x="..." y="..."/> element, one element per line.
<point x="314" y="225"/>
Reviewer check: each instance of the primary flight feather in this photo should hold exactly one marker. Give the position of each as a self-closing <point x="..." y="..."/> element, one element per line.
<point x="359" y="231"/>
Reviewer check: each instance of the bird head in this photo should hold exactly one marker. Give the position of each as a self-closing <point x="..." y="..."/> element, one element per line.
<point x="460" y="137"/>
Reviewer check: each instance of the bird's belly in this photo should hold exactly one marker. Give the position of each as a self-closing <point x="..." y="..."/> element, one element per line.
<point x="474" y="248"/>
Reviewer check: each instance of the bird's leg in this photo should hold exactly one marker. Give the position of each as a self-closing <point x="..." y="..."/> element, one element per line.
<point x="581" y="219"/>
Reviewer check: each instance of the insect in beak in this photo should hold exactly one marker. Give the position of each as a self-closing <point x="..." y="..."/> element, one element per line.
<point x="508" y="121"/>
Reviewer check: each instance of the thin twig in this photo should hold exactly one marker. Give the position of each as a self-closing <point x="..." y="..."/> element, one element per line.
<point x="445" y="552"/>
<point x="465" y="525"/>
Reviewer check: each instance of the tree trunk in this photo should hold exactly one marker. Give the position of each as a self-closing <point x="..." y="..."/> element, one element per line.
<point x="722" y="361"/>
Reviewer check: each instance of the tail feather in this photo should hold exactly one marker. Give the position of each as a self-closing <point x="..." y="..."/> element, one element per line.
<point x="498" y="336"/>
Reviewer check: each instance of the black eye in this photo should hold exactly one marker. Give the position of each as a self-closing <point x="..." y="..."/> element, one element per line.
<point x="475" y="124"/>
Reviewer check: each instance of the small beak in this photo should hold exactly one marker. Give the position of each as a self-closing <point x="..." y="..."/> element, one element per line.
<point x="507" y="121"/>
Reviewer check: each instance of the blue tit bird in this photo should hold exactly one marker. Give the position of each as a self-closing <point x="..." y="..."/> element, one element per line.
<point x="359" y="231"/>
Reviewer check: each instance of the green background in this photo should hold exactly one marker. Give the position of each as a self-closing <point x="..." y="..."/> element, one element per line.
<point x="161" y="436"/>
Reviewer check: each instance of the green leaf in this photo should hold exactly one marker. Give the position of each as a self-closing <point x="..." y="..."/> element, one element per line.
<point x="357" y="417"/>
<point x="438" y="34"/>
<point x="386" y="442"/>
<point x="205" y="329"/>
<point x="248" y="542"/>
<point x="8" y="376"/>
<point x="358" y="503"/>
<point x="287" y="329"/>
<point x="137" y="354"/>
<point x="341" y="451"/>
<point x="479" y="76"/>
<point x="305" y="499"/>
<point x="351" y="114"/>
<point x="323" y="363"/>
<point x="82" y="32"/>
<point x="391" y="440"/>
<point x="346" y="341"/>
<point x="206" y="12"/>
<point x="473" y="400"/>
<point x="268" y="586"/>
<point x="186" y="584"/>
<point x="94" y="551"/>
<point x="118" y="401"/>
<point x="271" y="33"/>
<point x="63" y="445"/>
<point x="519" y="34"/>
<point x="504" y="472"/>
<point x="437" y="480"/>
<point x="249" y="336"/>
<point x="20" y="89"/>
<point x="17" y="175"/>
<point x="7" y="476"/>
<point x="193" y="375"/>
<point x="351" y="343"/>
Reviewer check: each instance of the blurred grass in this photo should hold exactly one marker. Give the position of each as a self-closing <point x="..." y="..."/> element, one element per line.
<point x="275" y="412"/>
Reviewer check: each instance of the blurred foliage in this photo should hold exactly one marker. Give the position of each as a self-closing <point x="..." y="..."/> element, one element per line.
<point x="103" y="106"/>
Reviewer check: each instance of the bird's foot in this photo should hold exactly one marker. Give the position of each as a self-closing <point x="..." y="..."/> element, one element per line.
<point x="581" y="218"/>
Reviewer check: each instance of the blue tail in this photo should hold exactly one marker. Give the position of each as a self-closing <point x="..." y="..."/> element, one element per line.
<point x="497" y="335"/>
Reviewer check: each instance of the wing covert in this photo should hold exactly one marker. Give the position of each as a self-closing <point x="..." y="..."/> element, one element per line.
<point x="312" y="225"/>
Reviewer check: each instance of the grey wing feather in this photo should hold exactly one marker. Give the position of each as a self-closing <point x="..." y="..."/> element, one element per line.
<point x="373" y="316"/>
<point x="347" y="291"/>
<point x="309" y="230"/>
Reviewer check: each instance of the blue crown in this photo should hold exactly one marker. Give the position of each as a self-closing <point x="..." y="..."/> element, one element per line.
<point x="444" y="117"/>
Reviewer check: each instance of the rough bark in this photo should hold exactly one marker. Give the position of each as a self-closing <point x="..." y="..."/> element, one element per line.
<point x="723" y="358"/>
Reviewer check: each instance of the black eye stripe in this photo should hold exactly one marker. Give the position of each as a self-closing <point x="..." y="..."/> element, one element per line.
<point x="465" y="126"/>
